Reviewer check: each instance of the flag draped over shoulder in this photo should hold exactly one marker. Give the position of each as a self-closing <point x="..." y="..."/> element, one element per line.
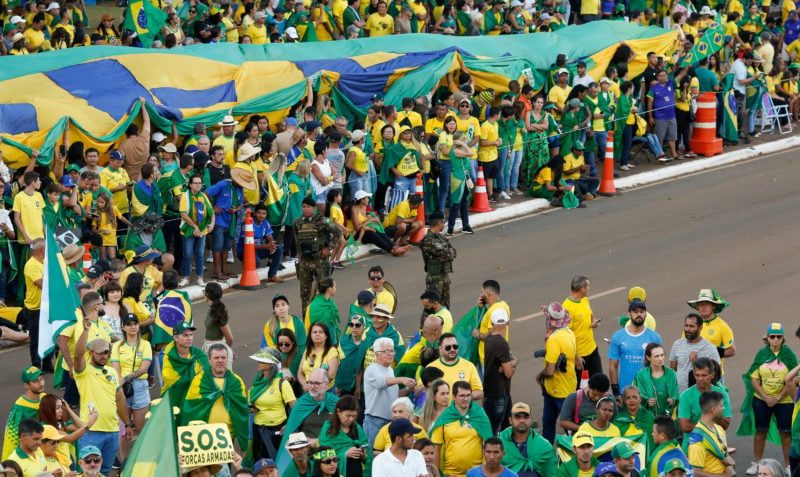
<point x="602" y="448"/>
<point x="145" y="19"/>
<point x="540" y="454"/>
<point x="178" y="372"/>
<point x="303" y="407"/>
<point x="203" y="392"/>
<point x="663" y="454"/>
<point x="708" y="44"/>
<point x="341" y="443"/>
<point x="154" y="453"/>
<point x="173" y="308"/>
<point x="467" y="345"/>
<point x="730" y="110"/>
<point x="765" y="355"/>
<point x="59" y="300"/>
<point x="324" y="310"/>
<point x="276" y="200"/>
<point x="476" y="417"/>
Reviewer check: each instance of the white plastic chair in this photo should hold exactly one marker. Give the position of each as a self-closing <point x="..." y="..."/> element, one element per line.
<point x="771" y="116"/>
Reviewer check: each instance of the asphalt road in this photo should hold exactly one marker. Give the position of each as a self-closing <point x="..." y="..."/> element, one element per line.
<point x="735" y="229"/>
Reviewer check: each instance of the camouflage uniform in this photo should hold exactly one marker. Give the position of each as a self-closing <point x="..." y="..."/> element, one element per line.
<point x="438" y="254"/>
<point x="312" y="235"/>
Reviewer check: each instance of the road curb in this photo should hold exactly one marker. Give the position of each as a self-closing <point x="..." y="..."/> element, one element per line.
<point x="533" y="205"/>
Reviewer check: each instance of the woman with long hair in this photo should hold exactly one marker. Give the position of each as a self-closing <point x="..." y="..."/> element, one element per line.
<point x="438" y="398"/>
<point x="105" y="224"/>
<point x="131" y="293"/>
<point x="55" y="412"/>
<point x="769" y="400"/>
<point x="537" y="150"/>
<point x="333" y="211"/>
<point x="625" y="125"/>
<point x="326" y="462"/>
<point x="548" y="183"/>
<point x="131" y="359"/>
<point x="443" y="147"/>
<point x="345" y="436"/>
<point x="657" y="383"/>
<point x="115" y="310"/>
<point x="218" y="329"/>
<point x="282" y="319"/>
<point x="460" y="184"/>
<point x="320" y="353"/>
<point x="326" y="115"/>
<point x="269" y="397"/>
<point x="107" y="30"/>
<point x="368" y="228"/>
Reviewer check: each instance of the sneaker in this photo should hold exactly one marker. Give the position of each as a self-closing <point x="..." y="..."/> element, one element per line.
<point x="788" y="471"/>
<point x="210" y="259"/>
<point x="626" y="167"/>
<point x="753" y="469"/>
<point x="631" y="165"/>
<point x="690" y="155"/>
<point x="664" y="160"/>
<point x="468" y="230"/>
<point x="230" y="256"/>
<point x="588" y="197"/>
<point x="504" y="196"/>
<point x="338" y="265"/>
<point x="184" y="282"/>
<point x="449" y="233"/>
<point x="200" y="282"/>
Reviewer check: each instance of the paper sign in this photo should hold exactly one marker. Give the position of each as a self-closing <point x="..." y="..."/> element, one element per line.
<point x="205" y="444"/>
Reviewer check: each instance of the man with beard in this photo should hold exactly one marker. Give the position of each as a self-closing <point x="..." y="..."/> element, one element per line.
<point x="26" y="407"/>
<point x="626" y="352"/>
<point x="686" y="350"/>
<point x="526" y="452"/>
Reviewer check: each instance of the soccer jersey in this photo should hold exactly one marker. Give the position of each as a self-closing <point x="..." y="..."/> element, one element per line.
<point x="461" y="447"/>
<point x="561" y="342"/>
<point x="581" y="314"/>
<point x="628" y="349"/>
<point x="461" y="370"/>
<point x="29" y="208"/>
<point x="98" y="386"/>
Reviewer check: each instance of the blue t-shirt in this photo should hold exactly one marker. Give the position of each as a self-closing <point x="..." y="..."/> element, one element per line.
<point x="629" y="351"/>
<point x="221" y="195"/>
<point x="260" y="232"/>
<point x="478" y="472"/>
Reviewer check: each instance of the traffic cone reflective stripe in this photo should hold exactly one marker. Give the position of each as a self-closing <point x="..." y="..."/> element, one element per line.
<point x="87" y="257"/>
<point x="607" y="183"/>
<point x="704" y="128"/>
<point x="584" y="379"/>
<point x="420" y="234"/>
<point x="480" y="200"/>
<point x="249" y="279"/>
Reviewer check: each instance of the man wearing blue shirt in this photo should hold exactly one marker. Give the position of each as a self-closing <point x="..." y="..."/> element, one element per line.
<point x="791" y="27"/>
<point x="266" y="246"/>
<point x="492" y="456"/>
<point x="626" y="352"/>
<point x="227" y="197"/>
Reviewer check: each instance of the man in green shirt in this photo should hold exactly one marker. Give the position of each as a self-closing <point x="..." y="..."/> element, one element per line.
<point x="689" y="411"/>
<point x="707" y="79"/>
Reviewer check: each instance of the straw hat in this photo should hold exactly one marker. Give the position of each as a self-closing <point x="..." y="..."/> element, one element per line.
<point x="228" y="121"/>
<point x="244" y="178"/>
<point x="72" y="253"/>
<point x="246" y="151"/>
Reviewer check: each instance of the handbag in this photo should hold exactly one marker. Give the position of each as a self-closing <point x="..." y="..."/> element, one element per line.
<point x="127" y="386"/>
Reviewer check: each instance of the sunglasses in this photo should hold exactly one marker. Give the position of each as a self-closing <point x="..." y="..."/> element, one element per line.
<point x="102" y="353"/>
<point x="451" y="347"/>
<point x="775" y="337"/>
<point x="332" y="460"/>
<point x="522" y="414"/>
<point x="356" y="324"/>
<point x="284" y="345"/>
<point x="375" y="278"/>
<point x="93" y="460"/>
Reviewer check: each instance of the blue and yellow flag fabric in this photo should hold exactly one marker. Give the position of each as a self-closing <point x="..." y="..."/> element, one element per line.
<point x="708" y="44"/>
<point x="43" y="95"/>
<point x="173" y="308"/>
<point x="145" y="19"/>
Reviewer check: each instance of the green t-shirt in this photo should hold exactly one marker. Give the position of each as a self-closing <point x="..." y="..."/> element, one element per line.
<point x="707" y="79"/>
<point x="689" y="405"/>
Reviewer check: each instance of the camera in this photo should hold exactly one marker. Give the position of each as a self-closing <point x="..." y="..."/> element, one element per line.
<point x="539" y="353"/>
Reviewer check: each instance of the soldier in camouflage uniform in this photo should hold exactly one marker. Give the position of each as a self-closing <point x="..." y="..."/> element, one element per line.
<point x="438" y="254"/>
<point x="315" y="235"/>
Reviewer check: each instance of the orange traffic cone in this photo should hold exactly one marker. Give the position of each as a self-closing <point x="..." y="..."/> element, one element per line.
<point x="420" y="234"/>
<point x="87" y="257"/>
<point x="607" y="187"/>
<point x="480" y="200"/>
<point x="249" y="279"/>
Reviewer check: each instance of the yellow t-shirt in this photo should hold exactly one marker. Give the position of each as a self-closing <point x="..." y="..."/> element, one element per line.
<point x="109" y="226"/>
<point x="545" y="176"/>
<point x="489" y="132"/>
<point x="97" y="330"/>
<point x="447" y="319"/>
<point x="271" y="404"/>
<point x="227" y="146"/>
<point x="231" y="31"/>
<point x="322" y="15"/>
<point x="385" y="298"/>
<point x="360" y="162"/>
<point x="378" y="25"/>
<point x="99" y="386"/>
<point x="701" y="458"/>
<point x="434" y="126"/>
<point x="400" y="212"/>
<point x="29" y="208"/>
<point x="461" y="370"/>
<point x="793" y="49"/>
<point x="34" y="270"/>
<point x="258" y="34"/>
<point x="219" y="414"/>
<point x="558" y="95"/>
<point x="199" y="203"/>
<point x="413" y="117"/>
<point x="561" y="341"/>
<point x="786" y="7"/>
<point x="771" y="375"/>
<point x="31" y="465"/>
<point x="717" y="332"/>
<point x="408" y="164"/>
<point x="152" y="280"/>
<point x="369" y="356"/>
<point x="383" y="442"/>
<point x="34" y="38"/>
<point x="590" y="7"/>
<point x="610" y="431"/>
<point x="461" y="447"/>
<point x="314" y="360"/>
<point x="581" y="314"/>
<point x="130" y="358"/>
<point x="337" y="216"/>
<point x="486" y="324"/>
<point x="53" y="465"/>
<point x="471" y="128"/>
<point x="377" y="126"/>
<point x="111" y="179"/>
<point x="572" y="162"/>
<point x="136" y="308"/>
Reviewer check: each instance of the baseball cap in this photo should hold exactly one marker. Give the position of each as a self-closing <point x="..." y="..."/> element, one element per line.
<point x="259" y="15"/>
<point x="99" y="267"/>
<point x="291" y="32"/>
<point x="309" y="126"/>
<point x="99" y="345"/>
<point x="606" y="468"/>
<point x="365" y="296"/>
<point x="674" y="464"/>
<point x="86" y="451"/>
<point x="168" y="147"/>
<point x="577" y="145"/>
<point x="398" y="427"/>
<point x="623" y="450"/>
<point x="775" y="329"/>
<point x="131" y="318"/>
<point x="545" y="16"/>
<point x="116" y="156"/>
<point x="377" y="97"/>
<point x="581" y="439"/>
<point x="636" y="303"/>
<point x="67" y="181"/>
<point x="31" y="373"/>
<point x="520" y="407"/>
<point x="605" y="79"/>
<point x="18" y="19"/>
<point x="53" y="6"/>
<point x="182" y="327"/>
<point x="562" y="71"/>
<point x="357" y="135"/>
<point x="277" y="297"/>
<point x="500" y="317"/>
<point x="263" y="464"/>
<point x="297" y="440"/>
<point x="290" y="121"/>
<point x="360" y="194"/>
<point x="50" y="433"/>
<point x="158" y="136"/>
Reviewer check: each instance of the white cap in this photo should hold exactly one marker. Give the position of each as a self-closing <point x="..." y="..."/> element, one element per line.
<point x="291" y="32"/>
<point x="357" y="135"/>
<point x="53" y="6"/>
<point x="516" y="3"/>
<point x="545" y="16"/>
<point x="259" y="15"/>
<point x="605" y="79"/>
<point x="360" y="194"/>
<point x="500" y="317"/>
<point x="158" y="136"/>
<point x="563" y="70"/>
<point x="17" y="19"/>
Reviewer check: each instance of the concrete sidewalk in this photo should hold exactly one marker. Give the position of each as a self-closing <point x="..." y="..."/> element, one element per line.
<point x="525" y="206"/>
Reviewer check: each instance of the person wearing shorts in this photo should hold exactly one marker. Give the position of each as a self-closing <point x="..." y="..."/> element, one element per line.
<point x="661" y="111"/>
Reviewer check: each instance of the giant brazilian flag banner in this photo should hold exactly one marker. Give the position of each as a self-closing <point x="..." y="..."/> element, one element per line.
<point x="93" y="91"/>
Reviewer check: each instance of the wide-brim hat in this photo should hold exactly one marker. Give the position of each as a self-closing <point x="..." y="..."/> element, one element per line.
<point x="381" y="310"/>
<point x="297" y="440"/>
<point x="246" y="151"/>
<point x="244" y="179"/>
<point x="228" y="121"/>
<point x="71" y="253"/>
<point x="710" y="295"/>
<point x="264" y="356"/>
<point x="214" y="468"/>
<point x="145" y="253"/>
<point x="706" y="10"/>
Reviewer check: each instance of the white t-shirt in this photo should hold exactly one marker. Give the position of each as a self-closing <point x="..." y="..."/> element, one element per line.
<point x="325" y="170"/>
<point x="586" y="80"/>
<point x="739" y="70"/>
<point x="387" y="465"/>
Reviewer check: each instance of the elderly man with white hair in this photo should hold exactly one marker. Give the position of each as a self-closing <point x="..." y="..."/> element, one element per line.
<point x="381" y="388"/>
<point x="402" y="408"/>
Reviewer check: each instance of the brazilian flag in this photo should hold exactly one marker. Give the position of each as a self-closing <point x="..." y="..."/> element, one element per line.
<point x="155" y="452"/>
<point x="730" y="110"/>
<point x="710" y="43"/>
<point x="145" y="19"/>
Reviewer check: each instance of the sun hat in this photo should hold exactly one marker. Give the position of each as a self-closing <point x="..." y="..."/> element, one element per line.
<point x="381" y="309"/>
<point x="246" y="151"/>
<point x="72" y="253"/>
<point x="228" y="121"/>
<point x="244" y="178"/>
<point x="144" y="253"/>
<point x="555" y="312"/>
<point x="297" y="440"/>
<point x="298" y="135"/>
<point x="709" y="295"/>
<point x="265" y="356"/>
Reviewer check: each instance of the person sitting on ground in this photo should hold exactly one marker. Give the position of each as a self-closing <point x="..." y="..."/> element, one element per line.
<point x="402" y="222"/>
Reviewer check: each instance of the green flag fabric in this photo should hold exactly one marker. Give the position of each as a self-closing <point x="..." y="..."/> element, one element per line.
<point x="467" y="345"/>
<point x="155" y="453"/>
<point x="59" y="300"/>
<point x="342" y="442"/>
<point x="324" y="310"/>
<point x="145" y="19"/>
<point x="541" y="457"/>
<point x="708" y="44"/>
<point x="203" y="392"/>
<point x="475" y="417"/>
<point x="303" y="407"/>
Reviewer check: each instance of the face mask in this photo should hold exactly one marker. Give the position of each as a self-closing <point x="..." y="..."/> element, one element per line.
<point x="101" y="312"/>
<point x="429" y="311"/>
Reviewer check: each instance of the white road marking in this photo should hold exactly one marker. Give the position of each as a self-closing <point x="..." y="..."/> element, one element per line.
<point x="593" y="297"/>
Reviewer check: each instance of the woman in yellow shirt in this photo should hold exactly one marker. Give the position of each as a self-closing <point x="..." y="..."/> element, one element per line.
<point x="320" y="353"/>
<point x="269" y="396"/>
<point x="601" y="425"/>
<point x="333" y="211"/>
<point x="131" y="292"/>
<point x="357" y="164"/>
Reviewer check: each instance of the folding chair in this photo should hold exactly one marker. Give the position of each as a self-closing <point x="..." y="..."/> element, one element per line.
<point x="772" y="115"/>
